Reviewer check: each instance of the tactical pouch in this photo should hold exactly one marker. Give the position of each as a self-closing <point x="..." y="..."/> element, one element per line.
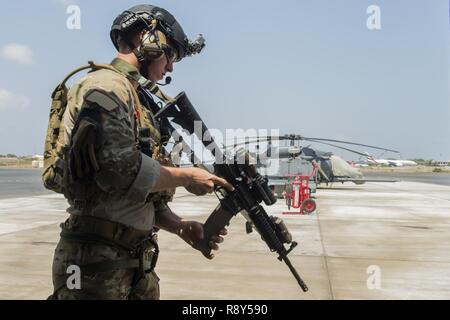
<point x="54" y="148"/>
<point x="54" y="144"/>
<point x="86" y="139"/>
<point x="141" y="246"/>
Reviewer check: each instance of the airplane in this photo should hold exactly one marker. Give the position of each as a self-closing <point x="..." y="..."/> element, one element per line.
<point x="390" y="162"/>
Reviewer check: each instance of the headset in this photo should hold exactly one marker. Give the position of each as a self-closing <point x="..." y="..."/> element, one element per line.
<point x="159" y="36"/>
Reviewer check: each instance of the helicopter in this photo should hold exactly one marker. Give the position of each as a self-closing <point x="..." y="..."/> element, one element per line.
<point x="282" y="164"/>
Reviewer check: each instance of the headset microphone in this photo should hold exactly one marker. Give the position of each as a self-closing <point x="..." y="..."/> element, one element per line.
<point x="168" y="80"/>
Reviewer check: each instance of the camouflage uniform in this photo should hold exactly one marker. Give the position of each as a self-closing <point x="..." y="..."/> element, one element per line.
<point x="120" y="193"/>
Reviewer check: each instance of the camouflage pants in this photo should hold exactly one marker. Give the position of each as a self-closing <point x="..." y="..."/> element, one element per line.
<point x="118" y="284"/>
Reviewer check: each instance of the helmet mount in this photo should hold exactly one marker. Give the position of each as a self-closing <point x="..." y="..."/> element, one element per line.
<point x="162" y="34"/>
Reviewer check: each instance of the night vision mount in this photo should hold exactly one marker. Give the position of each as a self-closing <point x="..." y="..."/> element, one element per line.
<point x="196" y="46"/>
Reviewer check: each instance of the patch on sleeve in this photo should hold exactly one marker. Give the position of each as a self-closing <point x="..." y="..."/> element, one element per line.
<point x="106" y="100"/>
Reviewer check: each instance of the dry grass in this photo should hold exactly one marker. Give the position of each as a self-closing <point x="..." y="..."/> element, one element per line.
<point x="16" y="162"/>
<point x="414" y="169"/>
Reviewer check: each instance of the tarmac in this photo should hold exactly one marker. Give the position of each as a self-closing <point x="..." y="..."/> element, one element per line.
<point x="374" y="241"/>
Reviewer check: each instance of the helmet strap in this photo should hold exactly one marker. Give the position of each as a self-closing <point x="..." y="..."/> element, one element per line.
<point x="137" y="52"/>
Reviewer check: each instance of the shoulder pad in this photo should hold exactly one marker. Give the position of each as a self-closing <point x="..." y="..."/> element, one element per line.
<point x="107" y="100"/>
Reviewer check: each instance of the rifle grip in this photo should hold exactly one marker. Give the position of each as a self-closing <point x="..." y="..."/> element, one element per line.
<point x="219" y="219"/>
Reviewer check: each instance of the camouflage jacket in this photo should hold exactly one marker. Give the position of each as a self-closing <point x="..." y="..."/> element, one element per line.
<point x="126" y="174"/>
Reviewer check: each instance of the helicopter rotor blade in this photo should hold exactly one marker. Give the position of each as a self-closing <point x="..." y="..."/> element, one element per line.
<point x="352" y="143"/>
<point x="293" y="137"/>
<point x="340" y="147"/>
<point x="268" y="139"/>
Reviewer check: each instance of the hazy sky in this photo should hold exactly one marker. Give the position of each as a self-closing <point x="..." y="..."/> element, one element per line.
<point x="310" y="67"/>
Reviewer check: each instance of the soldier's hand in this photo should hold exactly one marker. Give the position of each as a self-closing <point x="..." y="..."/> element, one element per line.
<point x="201" y="182"/>
<point x="192" y="232"/>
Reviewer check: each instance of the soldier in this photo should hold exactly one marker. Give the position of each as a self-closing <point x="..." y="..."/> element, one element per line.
<point x="116" y="188"/>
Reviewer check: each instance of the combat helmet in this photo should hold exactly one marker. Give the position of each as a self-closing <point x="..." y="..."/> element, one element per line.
<point x="163" y="33"/>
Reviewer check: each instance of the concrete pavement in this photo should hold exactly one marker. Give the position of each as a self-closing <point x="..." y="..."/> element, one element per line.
<point x="401" y="230"/>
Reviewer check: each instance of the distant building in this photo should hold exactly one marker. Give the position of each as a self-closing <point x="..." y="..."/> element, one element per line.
<point x="39" y="162"/>
<point x="442" y="163"/>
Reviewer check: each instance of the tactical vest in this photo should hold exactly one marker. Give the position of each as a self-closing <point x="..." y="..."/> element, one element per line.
<point x="149" y="141"/>
<point x="148" y="138"/>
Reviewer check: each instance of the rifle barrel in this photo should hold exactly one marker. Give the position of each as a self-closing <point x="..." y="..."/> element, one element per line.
<point x="295" y="273"/>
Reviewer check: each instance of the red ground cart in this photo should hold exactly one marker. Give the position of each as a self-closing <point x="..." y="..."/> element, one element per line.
<point x="298" y="193"/>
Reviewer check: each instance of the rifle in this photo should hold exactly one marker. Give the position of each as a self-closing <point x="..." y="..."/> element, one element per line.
<point x="250" y="188"/>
